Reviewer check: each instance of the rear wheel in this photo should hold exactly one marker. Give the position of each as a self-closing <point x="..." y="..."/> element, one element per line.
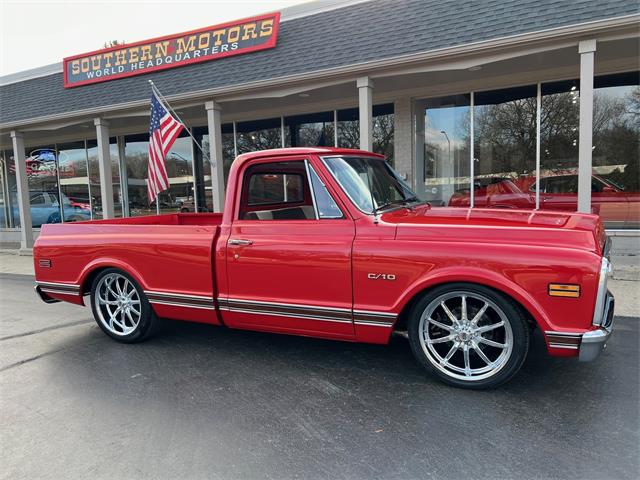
<point x="121" y="308"/>
<point x="468" y="335"/>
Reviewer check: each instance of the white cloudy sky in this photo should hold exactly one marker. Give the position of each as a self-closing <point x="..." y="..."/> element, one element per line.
<point x="37" y="33"/>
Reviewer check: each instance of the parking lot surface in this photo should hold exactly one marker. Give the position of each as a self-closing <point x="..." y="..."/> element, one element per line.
<point x="205" y="402"/>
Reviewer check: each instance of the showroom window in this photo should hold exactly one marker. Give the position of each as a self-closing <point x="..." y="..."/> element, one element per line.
<point x="348" y="126"/>
<point x="9" y="214"/>
<point x="559" y="138"/>
<point x="616" y="150"/>
<point x="74" y="182"/>
<point x="203" y="166"/>
<point x="94" y="178"/>
<point x="504" y="149"/>
<point x="310" y="130"/>
<point x="258" y="135"/>
<point x="446" y="148"/>
<point x="42" y="179"/>
<point x="179" y="165"/>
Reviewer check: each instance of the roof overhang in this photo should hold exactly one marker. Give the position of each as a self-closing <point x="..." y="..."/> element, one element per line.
<point x="449" y="58"/>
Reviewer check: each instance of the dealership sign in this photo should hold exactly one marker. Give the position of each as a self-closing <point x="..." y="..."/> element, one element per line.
<point x="211" y="43"/>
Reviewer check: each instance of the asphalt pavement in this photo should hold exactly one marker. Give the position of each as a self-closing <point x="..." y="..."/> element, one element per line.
<point x="204" y="402"/>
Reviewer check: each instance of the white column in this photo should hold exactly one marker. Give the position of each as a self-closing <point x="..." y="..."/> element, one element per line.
<point x="104" y="166"/>
<point x="365" y="104"/>
<point x="419" y="153"/>
<point x="403" y="155"/>
<point x="24" y="204"/>
<point x="587" y="50"/>
<point x="214" y="123"/>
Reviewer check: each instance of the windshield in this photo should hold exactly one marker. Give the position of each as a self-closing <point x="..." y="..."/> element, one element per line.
<point x="369" y="182"/>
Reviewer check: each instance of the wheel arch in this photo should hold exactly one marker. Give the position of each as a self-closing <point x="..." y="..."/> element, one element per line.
<point x="93" y="269"/>
<point x="523" y="300"/>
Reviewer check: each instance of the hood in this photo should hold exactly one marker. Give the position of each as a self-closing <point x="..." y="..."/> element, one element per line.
<point x="494" y="225"/>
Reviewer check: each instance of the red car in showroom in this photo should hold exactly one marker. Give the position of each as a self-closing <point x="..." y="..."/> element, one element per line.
<point x="331" y="243"/>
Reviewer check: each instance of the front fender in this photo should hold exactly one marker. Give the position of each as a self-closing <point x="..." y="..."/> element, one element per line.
<point x="478" y="276"/>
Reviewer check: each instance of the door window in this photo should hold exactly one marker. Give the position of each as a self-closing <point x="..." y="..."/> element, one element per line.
<point x="284" y="191"/>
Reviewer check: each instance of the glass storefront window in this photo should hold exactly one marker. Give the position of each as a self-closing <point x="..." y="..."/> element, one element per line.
<point x="559" y="138"/>
<point x="615" y="181"/>
<point x="44" y="192"/>
<point x="9" y="214"/>
<point x="94" y="178"/>
<point x="179" y="164"/>
<point x="310" y="130"/>
<point x="179" y="167"/>
<point x="446" y="148"/>
<point x="74" y="182"/>
<point x="136" y="152"/>
<point x="258" y="135"/>
<point x="203" y="168"/>
<point x="504" y="149"/>
<point x="383" y="129"/>
<point x="348" y="122"/>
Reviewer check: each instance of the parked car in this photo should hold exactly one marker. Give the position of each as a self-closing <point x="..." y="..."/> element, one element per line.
<point x="494" y="192"/>
<point x="45" y="208"/>
<point x="331" y="243"/>
<point x="188" y="206"/>
<point x="612" y="202"/>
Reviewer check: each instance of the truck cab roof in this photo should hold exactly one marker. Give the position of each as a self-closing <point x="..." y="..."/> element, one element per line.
<point x="280" y="152"/>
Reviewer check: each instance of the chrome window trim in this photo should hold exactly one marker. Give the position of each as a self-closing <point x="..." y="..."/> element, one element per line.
<point x="313" y="193"/>
<point x="310" y="169"/>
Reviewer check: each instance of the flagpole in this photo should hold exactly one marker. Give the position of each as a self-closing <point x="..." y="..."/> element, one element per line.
<point x="166" y="103"/>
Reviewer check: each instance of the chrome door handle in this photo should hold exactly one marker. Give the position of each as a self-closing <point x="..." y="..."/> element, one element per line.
<point x="239" y="241"/>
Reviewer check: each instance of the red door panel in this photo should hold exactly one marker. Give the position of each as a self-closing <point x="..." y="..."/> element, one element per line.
<point x="291" y="276"/>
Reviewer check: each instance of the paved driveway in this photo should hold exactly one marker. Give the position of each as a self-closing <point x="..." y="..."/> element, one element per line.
<point x="204" y="402"/>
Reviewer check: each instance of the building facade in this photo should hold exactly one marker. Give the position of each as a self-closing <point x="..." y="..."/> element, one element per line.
<point x="510" y="104"/>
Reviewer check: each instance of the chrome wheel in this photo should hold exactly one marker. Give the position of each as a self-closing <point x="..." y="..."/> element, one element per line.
<point x="117" y="303"/>
<point x="465" y="335"/>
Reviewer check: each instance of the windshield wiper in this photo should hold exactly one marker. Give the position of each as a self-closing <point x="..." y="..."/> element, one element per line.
<point x="394" y="202"/>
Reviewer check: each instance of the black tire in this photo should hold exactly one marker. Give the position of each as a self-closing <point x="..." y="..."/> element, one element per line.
<point x="148" y="322"/>
<point x="428" y="341"/>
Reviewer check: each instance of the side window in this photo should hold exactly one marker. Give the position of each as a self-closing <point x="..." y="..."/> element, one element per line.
<point x="562" y="184"/>
<point x="327" y="207"/>
<point x="37" y="199"/>
<point x="276" y="191"/>
<point x="269" y="188"/>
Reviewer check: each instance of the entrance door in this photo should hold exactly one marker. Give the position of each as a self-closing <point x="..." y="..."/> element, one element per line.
<point x="289" y="254"/>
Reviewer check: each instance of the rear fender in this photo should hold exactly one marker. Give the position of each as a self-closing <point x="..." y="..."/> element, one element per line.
<point x="107" y="263"/>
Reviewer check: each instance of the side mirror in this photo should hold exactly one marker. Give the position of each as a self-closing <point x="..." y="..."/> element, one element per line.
<point x="608" y="189"/>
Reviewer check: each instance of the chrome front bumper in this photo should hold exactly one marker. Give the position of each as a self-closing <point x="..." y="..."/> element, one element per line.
<point x="593" y="342"/>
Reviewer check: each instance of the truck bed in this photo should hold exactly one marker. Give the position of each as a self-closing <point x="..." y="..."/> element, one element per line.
<point x="199" y="219"/>
<point x="170" y="256"/>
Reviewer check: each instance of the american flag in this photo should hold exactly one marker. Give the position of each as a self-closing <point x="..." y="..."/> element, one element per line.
<point x="163" y="131"/>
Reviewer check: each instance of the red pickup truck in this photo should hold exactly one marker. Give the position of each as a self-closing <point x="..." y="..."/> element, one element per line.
<point x="332" y="243"/>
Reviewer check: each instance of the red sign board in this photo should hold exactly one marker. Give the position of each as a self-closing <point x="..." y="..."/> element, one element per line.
<point x="203" y="45"/>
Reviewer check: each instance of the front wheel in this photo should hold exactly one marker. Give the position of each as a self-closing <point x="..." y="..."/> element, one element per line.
<point x="468" y="335"/>
<point x="121" y="308"/>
